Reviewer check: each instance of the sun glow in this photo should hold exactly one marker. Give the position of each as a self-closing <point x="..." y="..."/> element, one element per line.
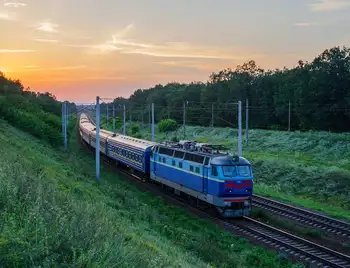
<point x="3" y="70"/>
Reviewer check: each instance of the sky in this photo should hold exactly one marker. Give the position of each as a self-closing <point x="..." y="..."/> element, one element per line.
<point x="80" y="49"/>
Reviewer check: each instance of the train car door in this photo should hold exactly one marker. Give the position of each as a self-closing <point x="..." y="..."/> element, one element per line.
<point x="205" y="179"/>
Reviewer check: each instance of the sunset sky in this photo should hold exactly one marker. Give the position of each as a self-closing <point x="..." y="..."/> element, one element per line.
<point x="78" y="49"/>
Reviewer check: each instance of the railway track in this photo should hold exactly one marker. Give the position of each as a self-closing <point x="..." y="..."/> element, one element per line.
<point x="293" y="245"/>
<point x="296" y="247"/>
<point x="316" y="220"/>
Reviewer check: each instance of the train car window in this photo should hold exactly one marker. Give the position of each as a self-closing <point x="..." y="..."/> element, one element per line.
<point x="197" y="170"/>
<point x="191" y="168"/>
<point x="174" y="163"/>
<point x="180" y="165"/>
<point x="164" y="160"/>
<point x="244" y="171"/>
<point x="229" y="171"/>
<point x="214" y="171"/>
<point x="179" y="154"/>
<point x="206" y="161"/>
<point x="160" y="159"/>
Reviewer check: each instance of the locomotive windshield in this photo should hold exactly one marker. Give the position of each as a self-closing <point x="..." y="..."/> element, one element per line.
<point x="234" y="171"/>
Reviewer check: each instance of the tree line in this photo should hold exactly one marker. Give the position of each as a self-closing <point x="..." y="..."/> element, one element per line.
<point x="318" y="93"/>
<point x="36" y="113"/>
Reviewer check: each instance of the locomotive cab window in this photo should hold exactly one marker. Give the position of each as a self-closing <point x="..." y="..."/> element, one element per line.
<point x="244" y="171"/>
<point x="180" y="165"/>
<point x="229" y="171"/>
<point x="191" y="168"/>
<point x="174" y="163"/>
<point x="197" y="170"/>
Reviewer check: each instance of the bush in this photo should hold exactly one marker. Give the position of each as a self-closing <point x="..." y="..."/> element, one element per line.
<point x="135" y="128"/>
<point x="167" y="125"/>
<point x="31" y="118"/>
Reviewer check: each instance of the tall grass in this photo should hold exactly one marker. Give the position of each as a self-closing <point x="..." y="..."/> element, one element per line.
<point x="54" y="214"/>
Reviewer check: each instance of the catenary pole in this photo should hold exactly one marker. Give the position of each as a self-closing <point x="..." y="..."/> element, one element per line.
<point x="124" y="130"/>
<point x="113" y="118"/>
<point x="152" y="121"/>
<point x="63" y="121"/>
<point x="97" y="138"/>
<point x="212" y="115"/>
<point x="107" y="115"/>
<point x="289" y="117"/>
<point x="246" y="121"/>
<point x="149" y="116"/>
<point x="240" y="128"/>
<point x="65" y="125"/>
<point x="184" y="119"/>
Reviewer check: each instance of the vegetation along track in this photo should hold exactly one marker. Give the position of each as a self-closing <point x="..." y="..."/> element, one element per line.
<point x="303" y="216"/>
<point x="261" y="233"/>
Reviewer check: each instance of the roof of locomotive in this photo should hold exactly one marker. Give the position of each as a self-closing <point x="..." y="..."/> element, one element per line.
<point x="219" y="159"/>
<point x="229" y="160"/>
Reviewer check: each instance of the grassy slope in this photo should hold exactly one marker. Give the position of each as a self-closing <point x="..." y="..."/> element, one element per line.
<point x="52" y="212"/>
<point x="311" y="169"/>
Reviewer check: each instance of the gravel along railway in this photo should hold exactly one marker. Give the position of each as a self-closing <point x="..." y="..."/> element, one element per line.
<point x="306" y="217"/>
<point x="297" y="248"/>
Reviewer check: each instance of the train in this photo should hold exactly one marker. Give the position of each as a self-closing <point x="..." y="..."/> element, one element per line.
<point x="200" y="171"/>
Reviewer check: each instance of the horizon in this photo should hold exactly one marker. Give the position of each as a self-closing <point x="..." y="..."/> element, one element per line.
<point x="123" y="47"/>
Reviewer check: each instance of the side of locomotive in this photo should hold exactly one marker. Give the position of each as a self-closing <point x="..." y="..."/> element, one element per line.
<point x="223" y="181"/>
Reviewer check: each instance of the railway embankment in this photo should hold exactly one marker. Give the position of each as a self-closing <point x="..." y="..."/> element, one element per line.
<point x="53" y="212"/>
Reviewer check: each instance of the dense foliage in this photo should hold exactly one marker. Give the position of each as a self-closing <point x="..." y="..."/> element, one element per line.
<point x="319" y="93"/>
<point x="36" y="113"/>
<point x="167" y="125"/>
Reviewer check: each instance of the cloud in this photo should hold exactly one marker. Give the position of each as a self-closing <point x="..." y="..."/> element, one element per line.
<point x="94" y="49"/>
<point x="166" y="50"/>
<point x="31" y="66"/>
<point x="16" y="50"/>
<point x="79" y="78"/>
<point x="46" y="40"/>
<point x="304" y="24"/>
<point x="47" y="27"/>
<point x="186" y="50"/>
<point x="14" y="4"/>
<point x="34" y="68"/>
<point x="203" y="66"/>
<point x="329" y="5"/>
<point x="124" y="32"/>
<point x="7" y="16"/>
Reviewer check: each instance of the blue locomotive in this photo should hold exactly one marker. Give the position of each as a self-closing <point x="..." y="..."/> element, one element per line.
<point x="197" y="170"/>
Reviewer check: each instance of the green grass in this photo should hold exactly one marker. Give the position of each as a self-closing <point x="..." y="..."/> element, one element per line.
<point x="271" y="219"/>
<point x="54" y="214"/>
<point x="311" y="169"/>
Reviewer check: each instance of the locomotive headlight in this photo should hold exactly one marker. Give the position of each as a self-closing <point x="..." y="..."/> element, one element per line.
<point x="246" y="203"/>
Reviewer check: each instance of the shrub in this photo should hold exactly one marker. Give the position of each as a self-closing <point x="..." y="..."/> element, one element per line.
<point x="135" y="128"/>
<point x="167" y="125"/>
